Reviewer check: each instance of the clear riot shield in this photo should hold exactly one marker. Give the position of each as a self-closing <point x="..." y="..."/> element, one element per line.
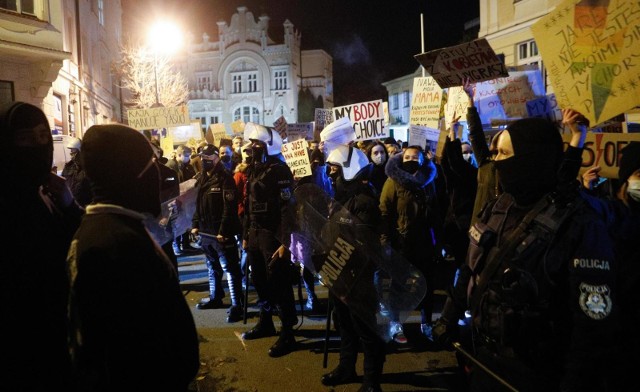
<point x="346" y="255"/>
<point x="175" y="216"/>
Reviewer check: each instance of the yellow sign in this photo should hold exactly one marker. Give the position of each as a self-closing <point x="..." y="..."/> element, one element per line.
<point x="156" y="118"/>
<point x="592" y="54"/>
<point x="603" y="149"/>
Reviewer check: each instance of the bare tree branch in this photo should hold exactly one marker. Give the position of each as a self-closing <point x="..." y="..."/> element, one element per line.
<point x="137" y="70"/>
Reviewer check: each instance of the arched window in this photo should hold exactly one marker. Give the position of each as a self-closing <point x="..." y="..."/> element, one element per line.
<point x="247" y="114"/>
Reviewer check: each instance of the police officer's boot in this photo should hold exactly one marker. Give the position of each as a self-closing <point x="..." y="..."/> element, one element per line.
<point x="235" y="312"/>
<point x="285" y="344"/>
<point x="262" y="329"/>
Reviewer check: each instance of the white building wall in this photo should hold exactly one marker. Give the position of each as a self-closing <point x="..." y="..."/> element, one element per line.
<point x="245" y="48"/>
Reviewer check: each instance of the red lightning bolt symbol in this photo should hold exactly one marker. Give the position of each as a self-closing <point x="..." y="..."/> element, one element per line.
<point x="598" y="149"/>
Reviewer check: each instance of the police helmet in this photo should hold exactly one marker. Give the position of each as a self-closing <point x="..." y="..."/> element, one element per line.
<point x="267" y="135"/>
<point x="351" y="159"/>
<point x="73" y="142"/>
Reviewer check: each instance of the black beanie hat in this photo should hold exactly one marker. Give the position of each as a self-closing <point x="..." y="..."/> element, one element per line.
<point x="209" y="150"/>
<point x="114" y="157"/>
<point x="630" y="161"/>
<point x="536" y="135"/>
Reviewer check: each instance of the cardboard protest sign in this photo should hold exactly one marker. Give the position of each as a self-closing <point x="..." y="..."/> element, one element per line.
<point x="299" y="131"/>
<point x="425" y="102"/>
<point x="297" y="158"/>
<point x="505" y="99"/>
<point x="473" y="60"/>
<point x="280" y="125"/>
<point x="154" y="118"/>
<point x="545" y="107"/>
<point x="322" y="117"/>
<point x="367" y="119"/>
<point x="457" y="104"/>
<point x="603" y="149"/>
<point x="217" y="132"/>
<point x="425" y="137"/>
<point x="591" y="54"/>
<point x="237" y="127"/>
<point x="166" y="144"/>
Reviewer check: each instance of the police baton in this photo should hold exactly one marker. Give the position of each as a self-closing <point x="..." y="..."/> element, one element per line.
<point x="470" y="357"/>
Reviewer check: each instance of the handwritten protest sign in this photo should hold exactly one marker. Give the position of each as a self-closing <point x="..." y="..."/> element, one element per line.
<point x="154" y="118"/>
<point x="425" y="137"/>
<point x="591" y="52"/>
<point x="297" y="158"/>
<point x="425" y="102"/>
<point x="298" y="131"/>
<point x="603" y="149"/>
<point x="280" y="125"/>
<point x="506" y="98"/>
<point x="322" y="117"/>
<point x="545" y="107"/>
<point x="457" y="104"/>
<point x="473" y="60"/>
<point x="218" y="132"/>
<point x="367" y="119"/>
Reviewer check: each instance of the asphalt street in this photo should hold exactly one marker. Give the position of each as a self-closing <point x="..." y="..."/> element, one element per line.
<point x="230" y="364"/>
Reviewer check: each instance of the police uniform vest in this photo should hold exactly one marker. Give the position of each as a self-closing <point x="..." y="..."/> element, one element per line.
<point x="268" y="186"/>
<point x="510" y="290"/>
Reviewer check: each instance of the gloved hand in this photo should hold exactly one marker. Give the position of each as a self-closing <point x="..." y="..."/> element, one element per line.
<point x="445" y="333"/>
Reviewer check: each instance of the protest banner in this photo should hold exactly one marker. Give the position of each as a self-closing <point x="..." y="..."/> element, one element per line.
<point x="603" y="149"/>
<point x="297" y="158"/>
<point x="505" y="99"/>
<point x="299" y="131"/>
<point x="473" y="60"/>
<point x="457" y="104"/>
<point x="590" y="51"/>
<point x="367" y="119"/>
<point x="322" y="117"/>
<point x="218" y="132"/>
<point x="545" y="107"/>
<point x="154" y="118"/>
<point x="425" y="102"/>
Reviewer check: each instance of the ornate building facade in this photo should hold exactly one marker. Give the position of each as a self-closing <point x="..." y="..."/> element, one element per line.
<point x="245" y="75"/>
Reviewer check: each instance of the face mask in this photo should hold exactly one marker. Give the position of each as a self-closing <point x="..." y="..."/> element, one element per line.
<point x="522" y="177"/>
<point x="225" y="159"/>
<point x="466" y="156"/>
<point x="633" y="189"/>
<point x="258" y="153"/>
<point x="378" y="159"/>
<point x="410" y="166"/>
<point x="207" y="165"/>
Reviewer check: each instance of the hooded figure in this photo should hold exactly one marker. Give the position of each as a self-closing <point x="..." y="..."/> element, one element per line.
<point x="531" y="170"/>
<point x="38" y="222"/>
<point x="128" y="315"/>
<point x="406" y="203"/>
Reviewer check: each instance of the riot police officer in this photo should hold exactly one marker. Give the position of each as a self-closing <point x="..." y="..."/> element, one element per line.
<point x="267" y="235"/>
<point x="216" y="221"/>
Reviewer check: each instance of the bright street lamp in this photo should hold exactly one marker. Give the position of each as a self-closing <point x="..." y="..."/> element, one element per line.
<point x="163" y="38"/>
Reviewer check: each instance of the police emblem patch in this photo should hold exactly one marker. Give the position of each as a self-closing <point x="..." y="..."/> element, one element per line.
<point x="229" y="195"/>
<point x="285" y="193"/>
<point x="595" y="301"/>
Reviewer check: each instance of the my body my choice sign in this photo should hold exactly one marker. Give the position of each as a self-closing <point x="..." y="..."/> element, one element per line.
<point x="367" y="119"/>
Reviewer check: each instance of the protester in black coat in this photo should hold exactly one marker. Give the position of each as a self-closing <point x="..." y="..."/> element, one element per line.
<point x="38" y="220"/>
<point x="131" y="327"/>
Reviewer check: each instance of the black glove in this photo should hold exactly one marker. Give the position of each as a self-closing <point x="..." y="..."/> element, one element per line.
<point x="445" y="333"/>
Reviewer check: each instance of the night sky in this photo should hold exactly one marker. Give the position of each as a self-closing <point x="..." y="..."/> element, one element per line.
<point x="370" y="41"/>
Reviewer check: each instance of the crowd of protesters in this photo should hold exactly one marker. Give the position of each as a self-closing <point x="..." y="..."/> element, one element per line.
<point x="543" y="298"/>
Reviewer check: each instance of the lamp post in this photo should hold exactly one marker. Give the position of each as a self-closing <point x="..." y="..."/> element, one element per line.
<point x="164" y="38"/>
